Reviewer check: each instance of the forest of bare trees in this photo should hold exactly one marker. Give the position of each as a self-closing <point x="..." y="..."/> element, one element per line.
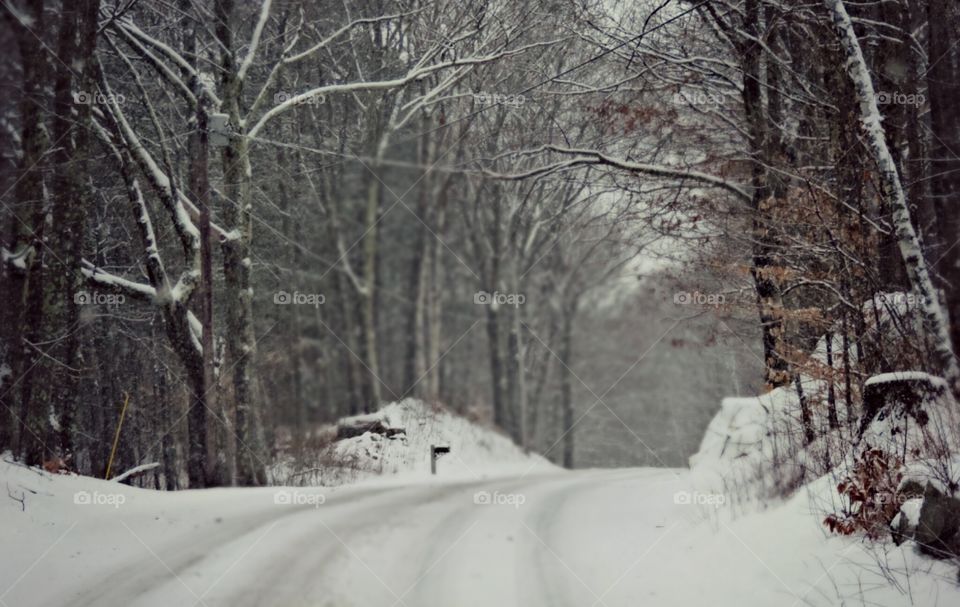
<point x="239" y="220"/>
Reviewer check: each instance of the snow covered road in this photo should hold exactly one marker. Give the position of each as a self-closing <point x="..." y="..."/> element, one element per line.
<point x="587" y="538"/>
<point x="503" y="542"/>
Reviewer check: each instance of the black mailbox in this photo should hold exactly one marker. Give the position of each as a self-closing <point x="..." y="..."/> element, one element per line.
<point x="435" y="453"/>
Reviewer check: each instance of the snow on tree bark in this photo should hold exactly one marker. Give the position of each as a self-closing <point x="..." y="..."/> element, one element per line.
<point x="892" y="189"/>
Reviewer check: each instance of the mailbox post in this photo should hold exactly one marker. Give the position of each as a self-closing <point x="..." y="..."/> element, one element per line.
<point x="435" y="453"/>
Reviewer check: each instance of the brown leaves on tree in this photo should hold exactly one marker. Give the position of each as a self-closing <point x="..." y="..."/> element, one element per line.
<point x="627" y="117"/>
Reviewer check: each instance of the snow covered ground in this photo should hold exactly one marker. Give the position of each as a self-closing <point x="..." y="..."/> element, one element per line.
<point x="495" y="526"/>
<point x="475" y="451"/>
<point x="594" y="537"/>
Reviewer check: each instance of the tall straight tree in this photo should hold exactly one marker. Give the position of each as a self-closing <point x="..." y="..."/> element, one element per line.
<point x="910" y="248"/>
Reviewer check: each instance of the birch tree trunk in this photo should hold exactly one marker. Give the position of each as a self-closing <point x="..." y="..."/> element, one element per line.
<point x="908" y="241"/>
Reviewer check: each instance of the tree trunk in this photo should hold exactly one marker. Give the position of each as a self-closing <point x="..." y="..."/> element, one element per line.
<point x="72" y="197"/>
<point x="237" y="214"/>
<point x="765" y="247"/>
<point x="497" y="371"/>
<point x="943" y="86"/>
<point x="566" y="384"/>
<point x="434" y="298"/>
<point x="24" y="291"/>
<point x="292" y="230"/>
<point x="806" y="417"/>
<point x="368" y="309"/>
<point x="831" y="387"/>
<point x="909" y="243"/>
<point x="433" y="317"/>
<point x="518" y="380"/>
<point x="414" y="362"/>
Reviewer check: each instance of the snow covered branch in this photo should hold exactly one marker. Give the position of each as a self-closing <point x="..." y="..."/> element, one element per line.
<point x="411" y="76"/>
<point x="254" y="40"/>
<point x="102" y="279"/>
<point x="583" y="157"/>
<point x="128" y="28"/>
<point x="135" y="470"/>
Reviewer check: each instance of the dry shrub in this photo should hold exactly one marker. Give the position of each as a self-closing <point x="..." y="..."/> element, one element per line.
<point x="871" y="490"/>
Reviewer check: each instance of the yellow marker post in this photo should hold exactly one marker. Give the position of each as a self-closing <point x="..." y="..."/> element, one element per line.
<point x="116" y="437"/>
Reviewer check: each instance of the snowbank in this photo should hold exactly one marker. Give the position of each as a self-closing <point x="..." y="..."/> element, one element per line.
<point x="59" y="533"/>
<point x="403" y="452"/>
<point x="784" y="556"/>
<point x="755" y="447"/>
<point x="756" y="451"/>
<point x="752" y="448"/>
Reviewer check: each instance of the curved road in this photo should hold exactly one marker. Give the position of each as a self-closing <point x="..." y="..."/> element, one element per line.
<point x="590" y="538"/>
<point x="552" y="540"/>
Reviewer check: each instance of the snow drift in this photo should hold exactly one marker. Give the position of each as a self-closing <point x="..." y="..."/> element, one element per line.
<point x="755" y="448"/>
<point x="396" y="441"/>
